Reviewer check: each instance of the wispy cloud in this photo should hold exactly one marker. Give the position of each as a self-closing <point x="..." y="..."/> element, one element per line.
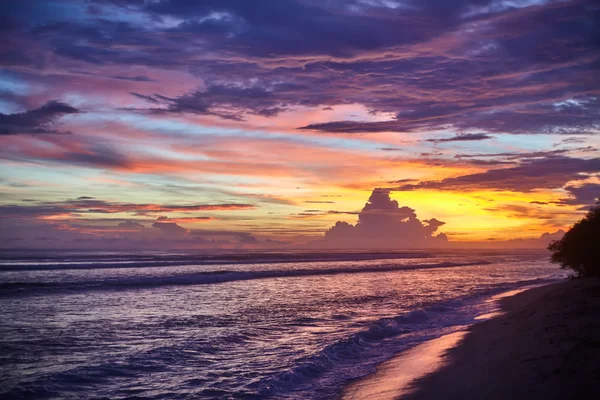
<point x="468" y="137"/>
<point x="38" y="121"/>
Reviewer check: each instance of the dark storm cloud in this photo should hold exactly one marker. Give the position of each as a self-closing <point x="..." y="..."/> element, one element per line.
<point x="37" y="121"/>
<point x="546" y="173"/>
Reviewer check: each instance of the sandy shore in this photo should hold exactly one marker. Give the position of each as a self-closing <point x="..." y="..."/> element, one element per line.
<point x="394" y="377"/>
<point x="546" y="346"/>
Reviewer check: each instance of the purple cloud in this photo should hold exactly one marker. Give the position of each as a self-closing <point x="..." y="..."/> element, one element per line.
<point x="587" y="194"/>
<point x="468" y="65"/>
<point x="168" y="227"/>
<point x="546" y="173"/>
<point x="37" y="121"/>
<point x="382" y="223"/>
<point x="88" y="205"/>
<point x="462" y="138"/>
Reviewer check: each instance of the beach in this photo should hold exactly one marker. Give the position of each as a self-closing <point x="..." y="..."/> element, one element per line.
<point x="545" y="345"/>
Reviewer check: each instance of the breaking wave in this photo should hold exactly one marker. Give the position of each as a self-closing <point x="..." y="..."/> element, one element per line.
<point x="214" y="277"/>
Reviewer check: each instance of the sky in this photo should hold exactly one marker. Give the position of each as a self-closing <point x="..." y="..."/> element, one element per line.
<point x="241" y="124"/>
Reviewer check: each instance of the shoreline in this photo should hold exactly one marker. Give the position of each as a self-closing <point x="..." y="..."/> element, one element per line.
<point x="393" y="378"/>
<point x="543" y="342"/>
<point x="545" y="345"/>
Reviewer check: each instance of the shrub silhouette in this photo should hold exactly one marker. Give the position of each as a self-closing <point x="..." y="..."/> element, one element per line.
<point x="579" y="248"/>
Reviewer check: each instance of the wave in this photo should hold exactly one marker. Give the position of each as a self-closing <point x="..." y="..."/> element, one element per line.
<point x="65" y="262"/>
<point x="317" y="376"/>
<point x="358" y="354"/>
<point x="215" y="277"/>
<point x="346" y="350"/>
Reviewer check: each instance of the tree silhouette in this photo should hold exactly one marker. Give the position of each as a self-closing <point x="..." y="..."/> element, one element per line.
<point x="579" y="248"/>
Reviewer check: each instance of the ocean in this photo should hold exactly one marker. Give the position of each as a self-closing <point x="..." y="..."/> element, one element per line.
<point x="281" y="325"/>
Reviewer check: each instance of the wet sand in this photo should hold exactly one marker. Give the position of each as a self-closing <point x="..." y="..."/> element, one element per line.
<point x="393" y="377"/>
<point x="545" y="346"/>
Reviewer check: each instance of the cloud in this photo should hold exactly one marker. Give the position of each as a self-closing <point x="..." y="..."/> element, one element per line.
<point x="96" y="155"/>
<point x="87" y="205"/>
<point x="549" y="237"/>
<point x="586" y="194"/>
<point x="467" y="137"/>
<point x="382" y="223"/>
<point x="138" y="78"/>
<point x="186" y="220"/>
<point x="483" y="65"/>
<point x="321" y="213"/>
<point x="228" y="101"/>
<point x="538" y="243"/>
<point x="36" y="121"/>
<point x="581" y="116"/>
<point x="169" y="227"/>
<point x="293" y="27"/>
<point x="546" y="173"/>
<point x="73" y="149"/>
<point x="570" y="140"/>
<point x="514" y="156"/>
<point x="161" y="233"/>
<point x="247" y="238"/>
<point x="149" y="99"/>
<point x="431" y="154"/>
<point x="130" y="226"/>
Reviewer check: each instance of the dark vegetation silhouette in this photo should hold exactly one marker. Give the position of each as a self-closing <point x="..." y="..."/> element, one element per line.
<point x="579" y="248"/>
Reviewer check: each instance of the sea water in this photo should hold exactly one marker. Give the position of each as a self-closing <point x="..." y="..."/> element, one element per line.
<point x="283" y="325"/>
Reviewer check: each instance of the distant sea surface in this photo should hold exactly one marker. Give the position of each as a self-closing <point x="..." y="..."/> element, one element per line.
<point x="180" y="325"/>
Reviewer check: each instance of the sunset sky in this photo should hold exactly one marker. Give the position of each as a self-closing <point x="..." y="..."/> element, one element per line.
<point x="260" y="124"/>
